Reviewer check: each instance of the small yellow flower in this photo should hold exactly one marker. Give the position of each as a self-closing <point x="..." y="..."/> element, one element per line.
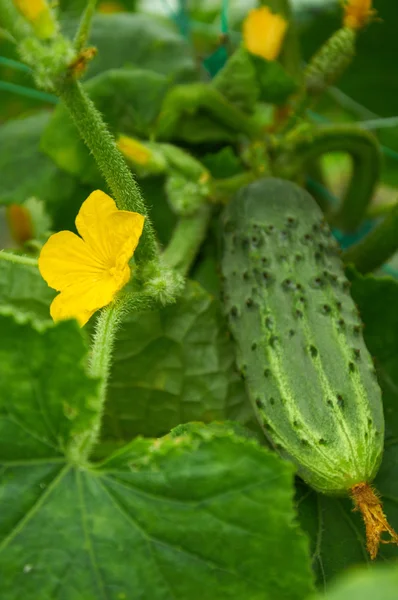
<point x="357" y="13"/>
<point x="110" y="7"/>
<point x="20" y="223"/>
<point x="134" y="150"/>
<point x="264" y="32"/>
<point x="39" y="15"/>
<point x="91" y="269"/>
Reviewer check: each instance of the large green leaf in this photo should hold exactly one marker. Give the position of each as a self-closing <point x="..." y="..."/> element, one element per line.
<point x="26" y="171"/>
<point x="380" y="583"/>
<point x="143" y="41"/>
<point x="337" y="533"/>
<point x="47" y="400"/>
<point x="24" y="292"/>
<point x="201" y="514"/>
<point x="172" y="366"/>
<point x="128" y="99"/>
<point x="162" y="217"/>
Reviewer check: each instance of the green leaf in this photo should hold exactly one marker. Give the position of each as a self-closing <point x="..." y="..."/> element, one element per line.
<point x="237" y="81"/>
<point x="223" y="163"/>
<point x="143" y="41"/>
<point x="26" y="171"/>
<point x="380" y="583"/>
<point x="162" y="217"/>
<point x="47" y="401"/>
<point x="159" y="519"/>
<point x="275" y="84"/>
<point x="23" y="292"/>
<point x="128" y="99"/>
<point x="173" y="366"/>
<point x="337" y="533"/>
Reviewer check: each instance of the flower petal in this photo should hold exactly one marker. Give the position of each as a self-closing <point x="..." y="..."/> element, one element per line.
<point x="80" y="301"/>
<point x="112" y="234"/>
<point x="92" y="223"/>
<point x="126" y="228"/>
<point x="62" y="308"/>
<point x="358" y="13"/>
<point x="264" y="32"/>
<point x="65" y="260"/>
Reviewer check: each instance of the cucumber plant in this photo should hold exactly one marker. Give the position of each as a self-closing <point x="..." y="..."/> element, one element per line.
<point x="201" y="509"/>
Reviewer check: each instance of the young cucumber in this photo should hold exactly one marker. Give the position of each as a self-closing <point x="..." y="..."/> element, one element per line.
<point x="299" y="338"/>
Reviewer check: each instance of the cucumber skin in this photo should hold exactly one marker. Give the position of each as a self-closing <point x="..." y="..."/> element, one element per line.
<point x="298" y="334"/>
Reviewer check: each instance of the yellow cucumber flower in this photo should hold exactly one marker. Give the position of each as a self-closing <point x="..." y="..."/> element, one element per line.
<point x="110" y="7"/>
<point x="39" y="15"/>
<point x="357" y="13"/>
<point x="20" y="223"/>
<point x="133" y="150"/>
<point x="264" y="32"/>
<point x="91" y="269"/>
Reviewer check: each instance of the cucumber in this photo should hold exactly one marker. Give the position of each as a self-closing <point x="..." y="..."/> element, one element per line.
<point x="299" y="338"/>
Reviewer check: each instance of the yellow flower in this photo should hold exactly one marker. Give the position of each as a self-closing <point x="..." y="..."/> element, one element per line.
<point x="20" y="223"/>
<point x="110" y="7"/>
<point x="264" y="32"/>
<point x="133" y="150"/>
<point x="357" y="13"/>
<point x="39" y="15"/>
<point x="91" y="269"/>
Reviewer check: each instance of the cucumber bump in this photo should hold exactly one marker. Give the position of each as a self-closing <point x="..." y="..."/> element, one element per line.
<point x="299" y="343"/>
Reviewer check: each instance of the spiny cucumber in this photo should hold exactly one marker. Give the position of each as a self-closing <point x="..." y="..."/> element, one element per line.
<point x="299" y="340"/>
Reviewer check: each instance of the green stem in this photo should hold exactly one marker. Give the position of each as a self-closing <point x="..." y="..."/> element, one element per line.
<point x="83" y="31"/>
<point x="377" y="247"/>
<point x="17" y="259"/>
<point x="305" y="149"/>
<point x="110" y="161"/>
<point x="290" y="56"/>
<point x="223" y="189"/>
<point x="380" y="210"/>
<point x="186" y="241"/>
<point x="190" y="99"/>
<point x="108" y="323"/>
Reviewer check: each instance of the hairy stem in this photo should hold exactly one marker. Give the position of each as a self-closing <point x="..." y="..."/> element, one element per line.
<point x="290" y="56"/>
<point x="83" y="31"/>
<point x="110" y="161"/>
<point x="17" y="259"/>
<point x="108" y="323"/>
<point x="187" y="238"/>
<point x="377" y="247"/>
<point x="195" y="97"/>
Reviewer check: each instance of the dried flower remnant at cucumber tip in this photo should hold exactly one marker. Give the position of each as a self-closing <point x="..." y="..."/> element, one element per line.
<point x="358" y="13"/>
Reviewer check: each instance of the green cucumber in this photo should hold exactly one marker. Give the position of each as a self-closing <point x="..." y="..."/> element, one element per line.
<point x="299" y="338"/>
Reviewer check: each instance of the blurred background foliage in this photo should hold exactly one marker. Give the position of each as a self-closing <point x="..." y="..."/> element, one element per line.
<point x="367" y="93"/>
